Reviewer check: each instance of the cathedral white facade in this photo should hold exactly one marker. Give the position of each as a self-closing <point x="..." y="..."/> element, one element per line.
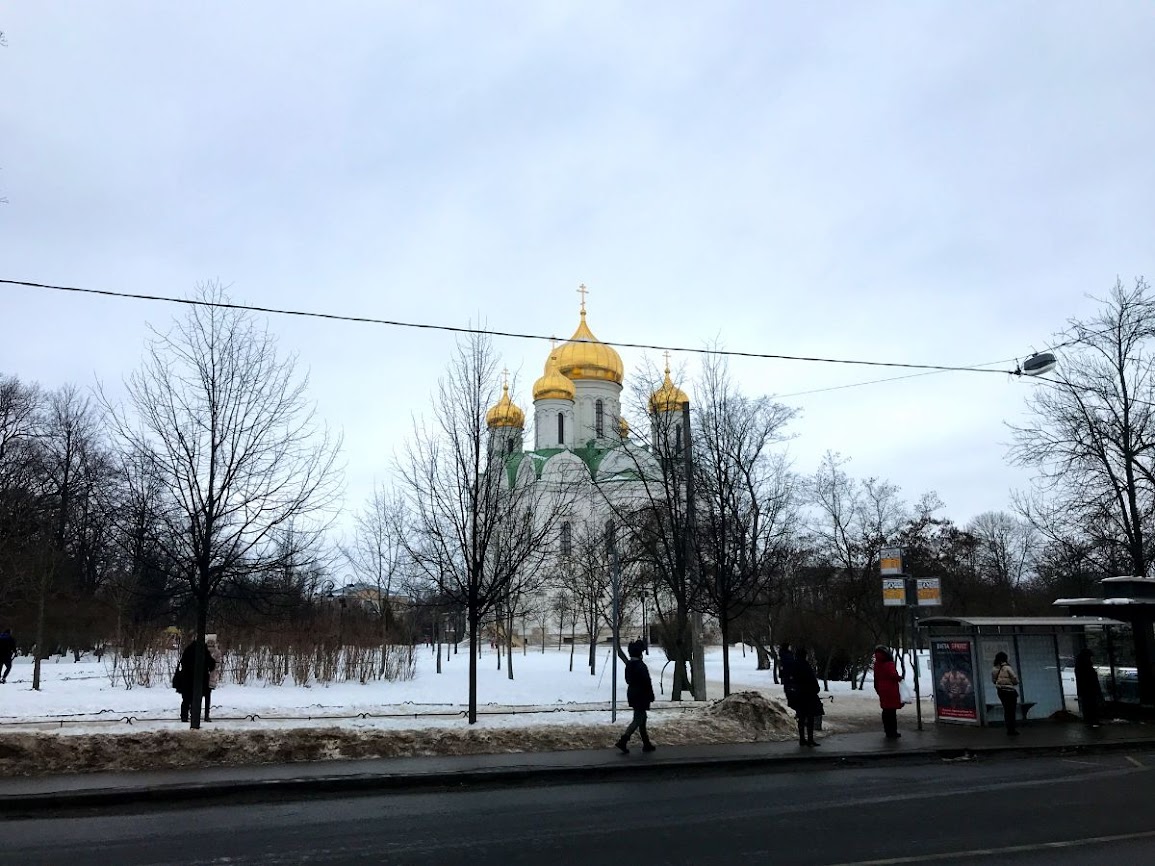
<point x="580" y="434"/>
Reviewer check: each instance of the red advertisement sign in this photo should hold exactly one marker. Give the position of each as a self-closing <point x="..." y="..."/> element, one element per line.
<point x="954" y="680"/>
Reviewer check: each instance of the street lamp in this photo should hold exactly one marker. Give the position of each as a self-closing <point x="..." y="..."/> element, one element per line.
<point x="1038" y="364"/>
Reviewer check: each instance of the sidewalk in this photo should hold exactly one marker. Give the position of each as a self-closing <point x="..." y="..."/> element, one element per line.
<point x="935" y="743"/>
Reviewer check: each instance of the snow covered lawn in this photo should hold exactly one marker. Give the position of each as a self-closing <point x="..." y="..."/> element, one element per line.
<point x="80" y="721"/>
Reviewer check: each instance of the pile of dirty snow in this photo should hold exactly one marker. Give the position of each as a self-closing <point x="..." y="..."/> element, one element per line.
<point x="743" y="717"/>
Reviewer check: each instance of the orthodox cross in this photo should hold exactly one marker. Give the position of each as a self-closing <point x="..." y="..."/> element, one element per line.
<point x="583" y="291"/>
<point x="667" y="356"/>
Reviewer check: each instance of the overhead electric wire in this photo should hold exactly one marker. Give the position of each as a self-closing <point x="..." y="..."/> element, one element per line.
<point x="938" y="368"/>
<point x="895" y="379"/>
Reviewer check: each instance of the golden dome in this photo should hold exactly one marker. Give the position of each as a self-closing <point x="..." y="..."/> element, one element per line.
<point x="586" y="357"/>
<point x="504" y="413"/>
<point x="623" y="427"/>
<point x="669" y="397"/>
<point x="552" y="385"/>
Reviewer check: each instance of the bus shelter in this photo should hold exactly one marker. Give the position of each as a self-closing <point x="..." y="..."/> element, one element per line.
<point x="1129" y="676"/>
<point x="962" y="653"/>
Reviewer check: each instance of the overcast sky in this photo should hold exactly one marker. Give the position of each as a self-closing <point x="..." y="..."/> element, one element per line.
<point x="926" y="183"/>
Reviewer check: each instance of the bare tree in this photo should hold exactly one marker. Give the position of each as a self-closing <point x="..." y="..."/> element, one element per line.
<point x="20" y="467"/>
<point x="1004" y="552"/>
<point x="745" y="496"/>
<point x="1091" y="435"/>
<point x="225" y="426"/>
<point x="656" y="519"/>
<point x="588" y="571"/>
<point x="476" y="530"/>
<point x="849" y="522"/>
<point x="378" y="554"/>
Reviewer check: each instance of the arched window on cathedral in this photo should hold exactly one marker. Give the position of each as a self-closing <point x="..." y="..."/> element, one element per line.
<point x="561" y="428"/>
<point x="566" y="539"/>
<point x="600" y="419"/>
<point x="508" y="446"/>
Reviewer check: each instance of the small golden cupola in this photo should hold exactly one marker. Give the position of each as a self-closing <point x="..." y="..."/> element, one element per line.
<point x="505" y="413"/>
<point x="584" y="356"/>
<point x="553" y="385"/>
<point x="669" y="397"/>
<point x="624" y="428"/>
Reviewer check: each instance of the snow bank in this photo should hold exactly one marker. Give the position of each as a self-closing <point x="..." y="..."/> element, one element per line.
<point x="741" y="718"/>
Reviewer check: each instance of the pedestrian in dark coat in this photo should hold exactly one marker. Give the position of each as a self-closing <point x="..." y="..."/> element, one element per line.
<point x="183" y="679"/>
<point x="214" y="672"/>
<point x="886" y="680"/>
<point x="639" y="695"/>
<point x="7" y="653"/>
<point x="1089" y="689"/>
<point x="803" y="697"/>
<point x="1007" y="685"/>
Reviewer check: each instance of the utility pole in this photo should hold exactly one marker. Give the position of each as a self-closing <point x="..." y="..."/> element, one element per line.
<point x="698" y="660"/>
<point x="900" y="588"/>
<point x="912" y="606"/>
<point x="615" y="584"/>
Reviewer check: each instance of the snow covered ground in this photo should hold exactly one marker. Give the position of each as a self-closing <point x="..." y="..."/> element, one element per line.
<point x="80" y="722"/>
<point x="79" y="697"/>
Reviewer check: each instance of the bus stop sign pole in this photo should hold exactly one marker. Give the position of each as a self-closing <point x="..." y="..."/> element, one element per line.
<point x="898" y="589"/>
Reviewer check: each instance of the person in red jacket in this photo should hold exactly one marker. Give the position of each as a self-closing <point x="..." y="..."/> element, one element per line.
<point x="886" y="680"/>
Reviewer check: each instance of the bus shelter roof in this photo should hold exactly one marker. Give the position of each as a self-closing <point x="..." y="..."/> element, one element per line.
<point x="1000" y="623"/>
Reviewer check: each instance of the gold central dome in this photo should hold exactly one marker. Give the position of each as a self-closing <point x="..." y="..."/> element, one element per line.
<point x="552" y="385"/>
<point x="586" y="357"/>
<point x="505" y="413"/>
<point x="669" y="397"/>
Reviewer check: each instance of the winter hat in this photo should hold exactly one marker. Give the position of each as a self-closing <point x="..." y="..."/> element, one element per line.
<point x="636" y="648"/>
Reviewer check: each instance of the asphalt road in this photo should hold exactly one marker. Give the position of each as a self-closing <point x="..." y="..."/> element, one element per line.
<point x="1052" y="811"/>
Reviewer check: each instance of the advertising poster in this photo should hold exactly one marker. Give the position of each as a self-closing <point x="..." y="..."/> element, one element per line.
<point x="954" y="680"/>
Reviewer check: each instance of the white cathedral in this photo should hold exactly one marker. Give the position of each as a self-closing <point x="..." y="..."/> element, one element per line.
<point x="579" y="432"/>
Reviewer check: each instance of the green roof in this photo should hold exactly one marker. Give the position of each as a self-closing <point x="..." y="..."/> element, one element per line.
<point x="590" y="454"/>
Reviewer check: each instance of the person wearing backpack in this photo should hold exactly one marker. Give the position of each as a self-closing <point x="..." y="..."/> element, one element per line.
<point x="1007" y="685"/>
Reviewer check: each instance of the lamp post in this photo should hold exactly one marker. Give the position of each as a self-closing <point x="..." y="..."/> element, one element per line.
<point x="645" y="629"/>
<point x="615" y="581"/>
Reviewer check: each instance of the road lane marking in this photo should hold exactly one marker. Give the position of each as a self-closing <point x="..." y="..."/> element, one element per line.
<point x="1137" y="762"/>
<point x="1010" y="849"/>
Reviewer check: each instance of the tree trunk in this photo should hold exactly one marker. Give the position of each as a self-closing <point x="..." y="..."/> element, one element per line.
<point x="509" y="645"/>
<point x="724" y="625"/>
<point x="38" y="650"/>
<point x="473" y="651"/>
<point x="764" y="661"/>
<point x="198" y="692"/>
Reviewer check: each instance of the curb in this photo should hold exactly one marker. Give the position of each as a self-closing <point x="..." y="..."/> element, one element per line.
<point x="15" y="806"/>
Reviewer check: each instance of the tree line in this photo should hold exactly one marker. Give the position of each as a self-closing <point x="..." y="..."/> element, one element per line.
<point x="211" y="491"/>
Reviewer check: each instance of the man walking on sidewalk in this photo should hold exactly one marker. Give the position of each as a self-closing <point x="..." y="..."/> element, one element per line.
<point x="639" y="695"/>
